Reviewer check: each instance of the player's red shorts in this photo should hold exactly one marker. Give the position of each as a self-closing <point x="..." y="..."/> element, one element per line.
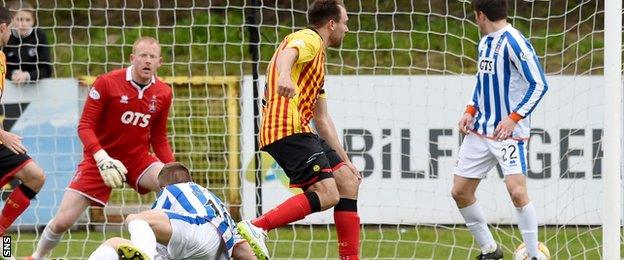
<point x="88" y="182"/>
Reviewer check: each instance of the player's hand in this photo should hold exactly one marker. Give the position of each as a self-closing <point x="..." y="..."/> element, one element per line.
<point x="13" y="142"/>
<point x="285" y="87"/>
<point x="464" y="123"/>
<point x="504" y="129"/>
<point x="354" y="170"/>
<point x="113" y="171"/>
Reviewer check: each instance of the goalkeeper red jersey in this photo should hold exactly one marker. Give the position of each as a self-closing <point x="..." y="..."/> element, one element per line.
<point x="124" y="119"/>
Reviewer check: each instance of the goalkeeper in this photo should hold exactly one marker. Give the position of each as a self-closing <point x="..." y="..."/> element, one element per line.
<point x="186" y="222"/>
<point x="125" y="113"/>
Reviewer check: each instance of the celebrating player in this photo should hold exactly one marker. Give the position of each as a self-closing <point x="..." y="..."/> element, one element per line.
<point x="317" y="164"/>
<point x="510" y="84"/>
<point x="125" y="113"/>
<point x="186" y="222"/>
<point x="14" y="162"/>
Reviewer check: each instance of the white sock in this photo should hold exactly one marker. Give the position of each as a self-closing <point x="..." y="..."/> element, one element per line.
<point x="527" y="223"/>
<point x="47" y="242"/>
<point x="104" y="252"/>
<point x="475" y="221"/>
<point x="142" y="236"/>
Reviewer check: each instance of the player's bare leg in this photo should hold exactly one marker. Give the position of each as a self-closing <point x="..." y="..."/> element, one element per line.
<point x="149" y="180"/>
<point x="516" y="186"/>
<point x="525" y="211"/>
<point x="463" y="193"/>
<point x="346" y="216"/>
<point x="72" y="206"/>
<point x="327" y="192"/>
<point x="32" y="178"/>
<point x="146" y="228"/>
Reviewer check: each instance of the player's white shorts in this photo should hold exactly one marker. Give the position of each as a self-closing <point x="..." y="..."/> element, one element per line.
<point x="478" y="155"/>
<point x="192" y="241"/>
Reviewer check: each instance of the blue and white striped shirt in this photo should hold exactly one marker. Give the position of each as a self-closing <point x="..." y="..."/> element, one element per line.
<point x="509" y="79"/>
<point x="194" y="204"/>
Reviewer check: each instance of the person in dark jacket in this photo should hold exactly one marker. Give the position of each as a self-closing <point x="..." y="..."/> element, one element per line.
<point x="27" y="52"/>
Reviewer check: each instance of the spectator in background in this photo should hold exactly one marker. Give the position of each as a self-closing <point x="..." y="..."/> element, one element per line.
<point x="27" y="53"/>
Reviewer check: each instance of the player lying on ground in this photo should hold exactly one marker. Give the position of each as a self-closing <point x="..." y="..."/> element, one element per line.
<point x="186" y="222"/>
<point x="125" y="114"/>
<point x="510" y="84"/>
<point x="14" y="162"/>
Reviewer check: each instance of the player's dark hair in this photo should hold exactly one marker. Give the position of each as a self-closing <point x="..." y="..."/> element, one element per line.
<point x="173" y="173"/>
<point x="5" y="16"/>
<point x="322" y="11"/>
<point x="494" y="9"/>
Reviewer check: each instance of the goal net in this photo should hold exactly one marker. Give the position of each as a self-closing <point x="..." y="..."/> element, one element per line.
<point x="396" y="88"/>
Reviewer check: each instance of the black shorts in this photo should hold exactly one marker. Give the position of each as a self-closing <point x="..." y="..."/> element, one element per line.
<point x="305" y="158"/>
<point x="10" y="162"/>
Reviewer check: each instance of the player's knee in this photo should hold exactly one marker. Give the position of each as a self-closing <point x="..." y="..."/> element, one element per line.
<point x="38" y="178"/>
<point x="329" y="199"/>
<point x="460" y="195"/>
<point x="59" y="224"/>
<point x="132" y="217"/>
<point x="348" y="184"/>
<point x="334" y="198"/>
<point x="34" y="177"/>
<point x="346" y="177"/>
<point x="328" y="195"/>
<point x="519" y="197"/>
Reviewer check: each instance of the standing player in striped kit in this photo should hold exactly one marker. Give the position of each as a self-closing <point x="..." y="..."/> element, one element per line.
<point x="317" y="164"/>
<point x="186" y="222"/>
<point x="510" y="84"/>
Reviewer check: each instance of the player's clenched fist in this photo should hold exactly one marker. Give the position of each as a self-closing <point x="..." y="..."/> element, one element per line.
<point x="113" y="171"/>
<point x="285" y="87"/>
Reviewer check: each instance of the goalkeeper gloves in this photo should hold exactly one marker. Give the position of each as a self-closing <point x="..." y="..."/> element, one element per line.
<point x="113" y="171"/>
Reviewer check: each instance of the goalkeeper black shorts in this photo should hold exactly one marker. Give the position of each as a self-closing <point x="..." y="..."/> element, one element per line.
<point x="305" y="158"/>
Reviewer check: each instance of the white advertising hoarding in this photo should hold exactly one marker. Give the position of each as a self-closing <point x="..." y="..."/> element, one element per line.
<point x="400" y="131"/>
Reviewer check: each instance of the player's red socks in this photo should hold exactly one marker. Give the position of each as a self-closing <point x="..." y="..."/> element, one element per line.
<point x="291" y="210"/>
<point x="15" y="205"/>
<point x="348" y="229"/>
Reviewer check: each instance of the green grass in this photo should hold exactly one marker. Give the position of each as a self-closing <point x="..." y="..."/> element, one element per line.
<point x="378" y="242"/>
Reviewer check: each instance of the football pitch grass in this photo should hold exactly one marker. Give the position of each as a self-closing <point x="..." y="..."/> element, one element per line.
<point x="378" y="242"/>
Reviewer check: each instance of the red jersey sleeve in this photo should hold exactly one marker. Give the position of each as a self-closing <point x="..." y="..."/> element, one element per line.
<point x="91" y="114"/>
<point x="158" y="136"/>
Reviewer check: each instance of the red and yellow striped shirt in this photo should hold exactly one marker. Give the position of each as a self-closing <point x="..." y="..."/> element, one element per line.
<point x="282" y="117"/>
<point x="2" y="71"/>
